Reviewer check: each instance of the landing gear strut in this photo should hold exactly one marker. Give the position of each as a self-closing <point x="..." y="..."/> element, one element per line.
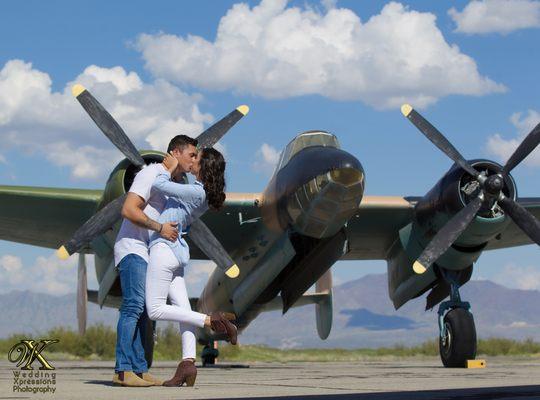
<point x="209" y="354"/>
<point x="457" y="338"/>
<point x="149" y="338"/>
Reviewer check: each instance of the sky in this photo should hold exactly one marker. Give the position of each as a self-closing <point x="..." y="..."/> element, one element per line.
<point x="164" y="67"/>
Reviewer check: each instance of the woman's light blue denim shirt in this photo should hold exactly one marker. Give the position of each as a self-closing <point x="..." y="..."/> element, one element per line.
<point x="185" y="203"/>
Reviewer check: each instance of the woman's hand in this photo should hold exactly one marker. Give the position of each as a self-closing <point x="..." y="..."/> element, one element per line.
<point x="170" y="163"/>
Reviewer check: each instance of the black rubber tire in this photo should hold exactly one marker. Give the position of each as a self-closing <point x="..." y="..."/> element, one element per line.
<point x="460" y="344"/>
<point x="148" y="341"/>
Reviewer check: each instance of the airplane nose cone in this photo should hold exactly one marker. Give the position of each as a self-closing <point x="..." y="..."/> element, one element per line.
<point x="319" y="190"/>
<point x="316" y="192"/>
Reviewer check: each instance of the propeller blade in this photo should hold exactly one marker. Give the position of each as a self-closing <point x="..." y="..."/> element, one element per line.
<point x="107" y="124"/>
<point x="96" y="225"/>
<point x="437" y="138"/>
<point x="208" y="243"/>
<point x="524" y="149"/>
<point x="524" y="219"/>
<point x="82" y="294"/>
<point x="212" y="135"/>
<point x="447" y="235"/>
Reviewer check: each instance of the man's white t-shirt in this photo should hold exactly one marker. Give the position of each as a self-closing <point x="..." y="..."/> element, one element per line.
<point x="132" y="239"/>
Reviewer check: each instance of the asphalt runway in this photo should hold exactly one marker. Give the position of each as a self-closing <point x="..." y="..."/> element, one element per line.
<point x="503" y="378"/>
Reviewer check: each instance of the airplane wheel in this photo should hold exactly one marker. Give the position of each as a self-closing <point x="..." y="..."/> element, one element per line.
<point x="459" y="343"/>
<point x="209" y="355"/>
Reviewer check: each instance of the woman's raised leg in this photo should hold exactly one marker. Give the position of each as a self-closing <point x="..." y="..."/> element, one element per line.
<point x="159" y="276"/>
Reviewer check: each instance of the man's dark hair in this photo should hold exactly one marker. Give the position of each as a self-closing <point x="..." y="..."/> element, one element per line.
<point x="180" y="142"/>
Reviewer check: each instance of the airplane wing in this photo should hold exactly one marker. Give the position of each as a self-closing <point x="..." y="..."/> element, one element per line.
<point x="48" y="217"/>
<point x="370" y="232"/>
<point x="233" y="224"/>
<point x="44" y="217"/>
<point x="375" y="226"/>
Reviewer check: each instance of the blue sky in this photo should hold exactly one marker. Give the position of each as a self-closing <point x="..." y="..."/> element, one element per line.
<point x="161" y="66"/>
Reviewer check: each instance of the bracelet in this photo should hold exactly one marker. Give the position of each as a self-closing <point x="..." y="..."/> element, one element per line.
<point x="160" y="227"/>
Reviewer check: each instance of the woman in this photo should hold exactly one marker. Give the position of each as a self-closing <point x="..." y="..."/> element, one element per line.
<point x="165" y="274"/>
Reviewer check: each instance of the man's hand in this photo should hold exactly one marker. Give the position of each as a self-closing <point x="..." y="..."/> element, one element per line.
<point x="169" y="231"/>
<point x="170" y="163"/>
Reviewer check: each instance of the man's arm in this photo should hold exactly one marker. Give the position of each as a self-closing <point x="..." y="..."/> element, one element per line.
<point x="133" y="211"/>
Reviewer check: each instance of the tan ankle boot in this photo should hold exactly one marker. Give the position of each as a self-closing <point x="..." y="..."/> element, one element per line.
<point x="128" y="378"/>
<point x="150" y="378"/>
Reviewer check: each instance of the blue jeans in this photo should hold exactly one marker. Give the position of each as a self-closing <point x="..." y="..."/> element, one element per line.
<point x="133" y="316"/>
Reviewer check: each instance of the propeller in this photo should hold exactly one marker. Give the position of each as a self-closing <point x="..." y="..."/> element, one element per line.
<point x="99" y="223"/>
<point x="107" y="124"/>
<point x="447" y="235"/>
<point x="82" y="294"/>
<point x="207" y="242"/>
<point x="524" y="149"/>
<point x="437" y="138"/>
<point x="524" y="219"/>
<point x="108" y="215"/>
<point x="212" y="135"/>
<point x="491" y="189"/>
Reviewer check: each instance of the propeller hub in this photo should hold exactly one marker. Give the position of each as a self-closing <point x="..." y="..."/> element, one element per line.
<point x="494" y="184"/>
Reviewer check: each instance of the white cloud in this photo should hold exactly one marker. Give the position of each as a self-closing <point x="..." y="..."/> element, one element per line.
<point x="10" y="264"/>
<point x="267" y="159"/>
<point x="277" y="51"/>
<point x="3" y="159"/>
<point x="11" y="270"/>
<point x="503" y="148"/>
<point x="496" y="16"/>
<point x="46" y="275"/>
<point x="520" y="324"/>
<point x="513" y="276"/>
<point x="37" y="120"/>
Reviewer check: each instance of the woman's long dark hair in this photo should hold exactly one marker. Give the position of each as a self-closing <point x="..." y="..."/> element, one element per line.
<point x="212" y="175"/>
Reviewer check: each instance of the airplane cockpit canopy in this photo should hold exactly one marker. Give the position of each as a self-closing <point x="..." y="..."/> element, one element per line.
<point x="306" y="139"/>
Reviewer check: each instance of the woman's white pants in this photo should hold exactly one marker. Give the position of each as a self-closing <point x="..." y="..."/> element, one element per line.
<point x="165" y="277"/>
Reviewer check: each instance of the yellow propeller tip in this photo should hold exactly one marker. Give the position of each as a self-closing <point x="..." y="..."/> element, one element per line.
<point x="62" y="253"/>
<point x="406" y="109"/>
<point x="233" y="272"/>
<point x="419" y="268"/>
<point x="77" y="89"/>
<point x="243" y="109"/>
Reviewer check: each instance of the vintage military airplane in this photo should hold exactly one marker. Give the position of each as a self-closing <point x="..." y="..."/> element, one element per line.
<point x="312" y="213"/>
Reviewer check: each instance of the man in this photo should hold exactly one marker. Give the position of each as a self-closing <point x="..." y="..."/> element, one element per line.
<point x="140" y="211"/>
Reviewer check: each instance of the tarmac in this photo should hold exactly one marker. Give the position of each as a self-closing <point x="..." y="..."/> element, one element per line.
<point x="503" y="378"/>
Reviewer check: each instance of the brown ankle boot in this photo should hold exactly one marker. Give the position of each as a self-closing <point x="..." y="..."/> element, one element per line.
<point x="220" y="323"/>
<point x="185" y="372"/>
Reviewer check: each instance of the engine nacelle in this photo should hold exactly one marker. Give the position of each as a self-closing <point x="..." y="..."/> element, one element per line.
<point x="123" y="174"/>
<point x="449" y="195"/>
